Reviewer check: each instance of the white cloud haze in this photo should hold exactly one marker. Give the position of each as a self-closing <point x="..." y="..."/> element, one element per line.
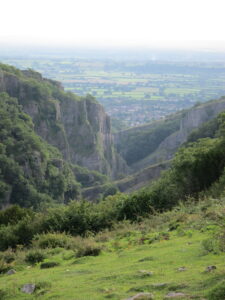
<point x="174" y="23"/>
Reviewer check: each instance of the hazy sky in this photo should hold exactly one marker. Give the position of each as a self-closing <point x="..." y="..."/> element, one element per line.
<point x="174" y="23"/>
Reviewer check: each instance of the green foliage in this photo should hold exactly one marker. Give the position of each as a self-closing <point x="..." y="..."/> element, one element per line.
<point x="49" y="264"/>
<point x="207" y="129"/>
<point x="135" y="144"/>
<point x="3" y="294"/>
<point x="10" y="69"/>
<point x="88" y="178"/>
<point x="216" y="242"/>
<point x="130" y="253"/>
<point x="4" y="266"/>
<point x="32" y="172"/>
<point x="109" y="189"/>
<point x="8" y="256"/>
<point x="88" y="248"/>
<point x="42" y="287"/>
<point x="14" y="214"/>
<point x="35" y="256"/>
<point x="195" y="170"/>
<point x="218" y="292"/>
<point x="52" y="240"/>
<point x="20" y="233"/>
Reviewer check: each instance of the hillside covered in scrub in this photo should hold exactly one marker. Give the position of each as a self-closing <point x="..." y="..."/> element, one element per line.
<point x="77" y="126"/>
<point x="44" y="131"/>
<point x="47" y="138"/>
<point x="163" y="241"/>
<point x="32" y="171"/>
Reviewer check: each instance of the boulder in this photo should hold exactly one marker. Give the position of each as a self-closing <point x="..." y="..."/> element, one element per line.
<point x="210" y="268"/>
<point x="28" y="288"/>
<point x="172" y="295"/>
<point x="142" y="296"/>
<point x="11" y="272"/>
<point x="145" y="273"/>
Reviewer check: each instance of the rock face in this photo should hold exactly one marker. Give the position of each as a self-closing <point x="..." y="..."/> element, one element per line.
<point x="191" y="120"/>
<point x="77" y="126"/>
<point x="90" y="141"/>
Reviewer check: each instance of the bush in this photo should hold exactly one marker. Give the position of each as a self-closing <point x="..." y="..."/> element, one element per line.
<point x="50" y="264"/>
<point x="88" y="249"/>
<point x="52" y="240"/>
<point x="42" y="287"/>
<point x="4" y="267"/>
<point x="35" y="256"/>
<point x="216" y="243"/>
<point x="221" y="240"/>
<point x="218" y="292"/>
<point x="3" y="294"/>
<point x="13" y="214"/>
<point x="210" y="246"/>
<point x="8" y="238"/>
<point x="8" y="256"/>
<point x="18" y="234"/>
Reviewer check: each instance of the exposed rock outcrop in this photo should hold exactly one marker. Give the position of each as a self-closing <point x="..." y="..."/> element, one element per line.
<point x="77" y="126"/>
<point x="191" y="120"/>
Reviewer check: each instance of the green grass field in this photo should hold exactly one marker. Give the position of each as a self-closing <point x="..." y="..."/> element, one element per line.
<point x="142" y="257"/>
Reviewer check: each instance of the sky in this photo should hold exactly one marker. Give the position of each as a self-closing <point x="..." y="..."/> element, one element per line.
<point x="114" y="23"/>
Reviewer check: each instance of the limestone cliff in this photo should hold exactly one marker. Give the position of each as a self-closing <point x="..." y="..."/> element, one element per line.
<point x="77" y="126"/>
<point x="32" y="173"/>
<point x="191" y="120"/>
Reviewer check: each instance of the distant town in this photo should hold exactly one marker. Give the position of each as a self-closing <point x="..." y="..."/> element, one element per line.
<point x="133" y="92"/>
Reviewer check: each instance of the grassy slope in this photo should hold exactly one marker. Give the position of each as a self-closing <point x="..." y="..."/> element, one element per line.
<point x="115" y="273"/>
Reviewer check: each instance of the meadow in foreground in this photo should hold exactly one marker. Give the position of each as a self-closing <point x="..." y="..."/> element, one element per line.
<point x="163" y="254"/>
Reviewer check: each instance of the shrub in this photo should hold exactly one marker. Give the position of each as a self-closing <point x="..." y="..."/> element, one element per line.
<point x="18" y="234"/>
<point x="4" y="267"/>
<point x="50" y="264"/>
<point x="52" y="240"/>
<point x="88" y="249"/>
<point x="7" y="238"/>
<point x="221" y="240"/>
<point x="35" y="256"/>
<point x="3" y="294"/>
<point x="42" y="287"/>
<point x="216" y="243"/>
<point x="67" y="255"/>
<point x="8" y="256"/>
<point x="13" y="214"/>
<point x="210" y="246"/>
<point x="218" y="292"/>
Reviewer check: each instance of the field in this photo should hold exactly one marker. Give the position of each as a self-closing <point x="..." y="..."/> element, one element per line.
<point x="133" y="92"/>
<point x="151" y="256"/>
